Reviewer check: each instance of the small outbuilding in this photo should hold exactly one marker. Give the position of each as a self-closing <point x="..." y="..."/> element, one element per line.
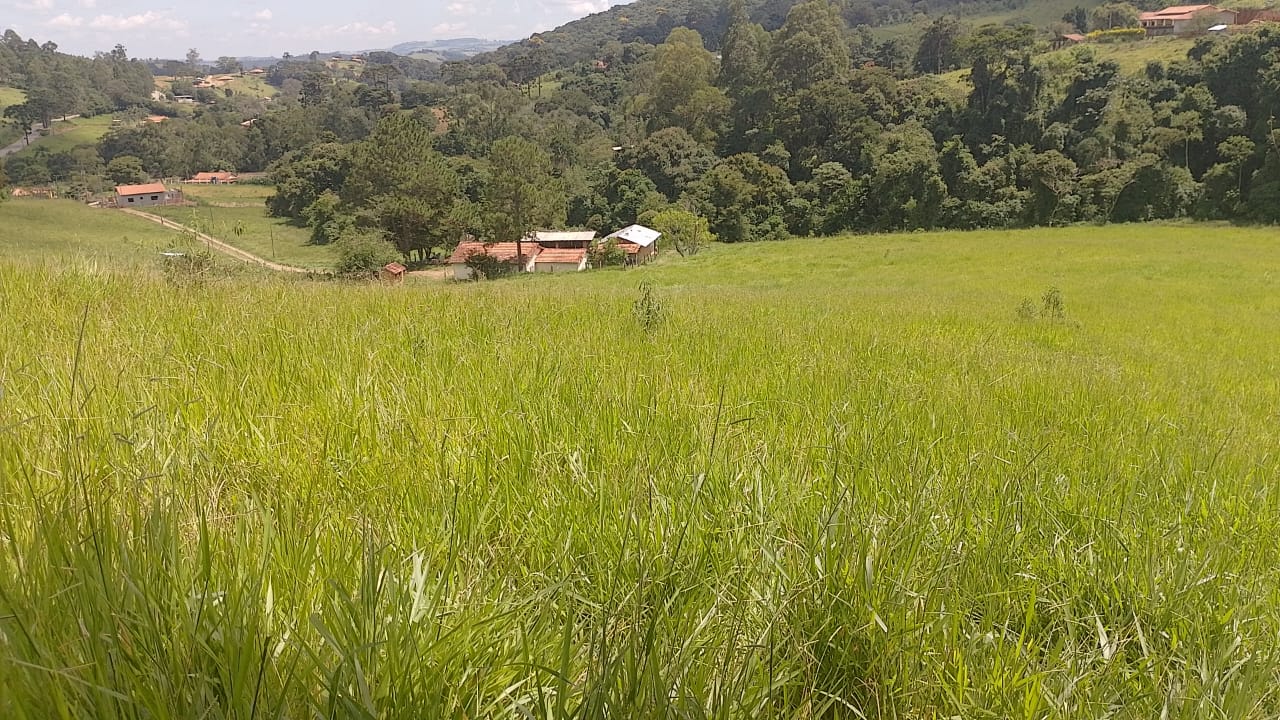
<point x="639" y="242"/>
<point x="553" y="260"/>
<point x="142" y="195"/>
<point x="392" y="273"/>
<point x="502" y="252"/>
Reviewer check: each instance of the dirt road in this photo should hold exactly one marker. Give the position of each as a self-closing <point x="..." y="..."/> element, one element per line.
<point x="217" y="244"/>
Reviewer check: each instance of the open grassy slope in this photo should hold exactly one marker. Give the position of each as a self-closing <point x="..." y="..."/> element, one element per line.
<point x="58" y="231"/>
<point x="833" y="478"/>
<point x="9" y="96"/>
<point x="237" y="215"/>
<point x="72" y="133"/>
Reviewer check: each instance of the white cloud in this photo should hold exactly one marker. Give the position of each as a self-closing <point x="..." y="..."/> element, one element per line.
<point x="65" y="21"/>
<point x="35" y="5"/>
<point x="88" y="3"/>
<point x="149" y="20"/>
<point x="263" y="14"/>
<point x="459" y="9"/>
<point x="448" y="28"/>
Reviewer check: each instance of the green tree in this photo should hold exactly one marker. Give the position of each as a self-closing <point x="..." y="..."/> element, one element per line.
<point x="809" y="47"/>
<point x="126" y="170"/>
<point x="404" y="185"/>
<point x="1113" y="15"/>
<point x="682" y="94"/>
<point x="1077" y="17"/>
<point x="521" y="195"/>
<point x="363" y="253"/>
<point x="1236" y="151"/>
<point x="939" y="48"/>
<point x="685" y="231"/>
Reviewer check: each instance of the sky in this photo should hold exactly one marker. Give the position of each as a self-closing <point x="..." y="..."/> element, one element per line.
<point x="164" y="28"/>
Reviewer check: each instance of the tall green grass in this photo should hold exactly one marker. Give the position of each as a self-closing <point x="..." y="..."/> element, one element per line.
<point x="837" y="478"/>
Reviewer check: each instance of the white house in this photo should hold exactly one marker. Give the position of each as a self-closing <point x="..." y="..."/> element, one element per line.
<point x="639" y="242"/>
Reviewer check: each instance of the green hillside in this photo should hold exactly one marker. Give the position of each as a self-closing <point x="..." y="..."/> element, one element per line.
<point x="1019" y="474"/>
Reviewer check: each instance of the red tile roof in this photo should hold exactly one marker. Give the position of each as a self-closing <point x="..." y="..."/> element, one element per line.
<point x="562" y="255"/>
<point x="394" y="268"/>
<point x="148" y="189"/>
<point x="204" y="177"/>
<point x="503" y="251"/>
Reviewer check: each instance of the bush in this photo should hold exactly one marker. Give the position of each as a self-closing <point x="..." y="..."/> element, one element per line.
<point x="364" y="253"/>
<point x="608" y="254"/>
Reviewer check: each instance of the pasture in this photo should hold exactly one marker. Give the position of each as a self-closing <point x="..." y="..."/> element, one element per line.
<point x="58" y="232"/>
<point x="237" y="215"/>
<point x="993" y="474"/>
<point x="70" y="134"/>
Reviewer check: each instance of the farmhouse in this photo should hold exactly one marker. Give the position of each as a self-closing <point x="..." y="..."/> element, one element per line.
<point x="213" y="178"/>
<point x="144" y="195"/>
<point x="503" y="252"/>
<point x="562" y="239"/>
<point x="1184" y="19"/>
<point x="553" y="260"/>
<point x="639" y="242"/>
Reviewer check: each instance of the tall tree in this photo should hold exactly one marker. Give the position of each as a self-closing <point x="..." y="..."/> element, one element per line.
<point x="939" y="49"/>
<point x="809" y="47"/>
<point x="521" y="194"/>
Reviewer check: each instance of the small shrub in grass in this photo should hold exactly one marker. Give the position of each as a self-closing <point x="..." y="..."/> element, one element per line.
<point x="1026" y="310"/>
<point x="648" y="308"/>
<point x="1053" y="306"/>
<point x="362" y="253"/>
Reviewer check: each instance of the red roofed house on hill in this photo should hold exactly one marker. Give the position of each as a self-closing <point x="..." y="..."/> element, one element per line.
<point x="552" y="260"/>
<point x="1184" y="19"/>
<point x="145" y="195"/>
<point x="213" y="178"/>
<point x="504" y="252"/>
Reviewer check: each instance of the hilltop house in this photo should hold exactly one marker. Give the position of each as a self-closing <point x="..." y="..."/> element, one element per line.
<point x="503" y="252"/>
<point x="639" y="242"/>
<point x="213" y="178"/>
<point x="144" y="195"/>
<point x="1184" y="19"/>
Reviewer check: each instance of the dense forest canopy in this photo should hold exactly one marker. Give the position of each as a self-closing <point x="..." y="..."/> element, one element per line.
<point x="812" y="127"/>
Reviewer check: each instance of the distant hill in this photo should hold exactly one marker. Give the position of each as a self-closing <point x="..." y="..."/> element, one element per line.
<point x="433" y="50"/>
<point x="650" y="21"/>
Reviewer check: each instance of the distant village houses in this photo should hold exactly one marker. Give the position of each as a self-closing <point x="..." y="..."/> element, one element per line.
<point x="1185" y="19"/>
<point x="213" y="178"/>
<point x="552" y="251"/>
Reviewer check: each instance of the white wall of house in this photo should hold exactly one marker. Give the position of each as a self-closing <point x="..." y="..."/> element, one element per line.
<point x="554" y="267"/>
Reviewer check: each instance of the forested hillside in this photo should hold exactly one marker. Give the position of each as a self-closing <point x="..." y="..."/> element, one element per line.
<point x="813" y="128"/>
<point x="60" y="84"/>
<point x="650" y="21"/>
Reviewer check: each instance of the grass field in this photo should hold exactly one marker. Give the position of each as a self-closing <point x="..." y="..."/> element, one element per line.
<point x="249" y="228"/>
<point x="834" y="478"/>
<point x="9" y="96"/>
<point x="73" y="133"/>
<point x="1132" y="57"/>
<point x="58" y="231"/>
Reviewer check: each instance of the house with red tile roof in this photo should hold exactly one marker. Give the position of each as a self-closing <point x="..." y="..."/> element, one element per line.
<point x="1184" y="19"/>
<point x="503" y="252"/>
<point x="143" y="195"/>
<point x="553" y="260"/>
